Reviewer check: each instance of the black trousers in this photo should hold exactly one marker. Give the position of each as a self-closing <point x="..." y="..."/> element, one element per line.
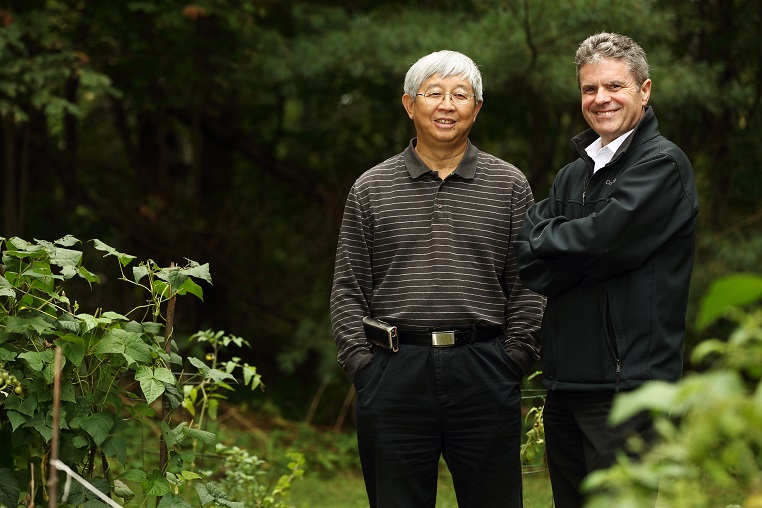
<point x="579" y="440"/>
<point x="421" y="403"/>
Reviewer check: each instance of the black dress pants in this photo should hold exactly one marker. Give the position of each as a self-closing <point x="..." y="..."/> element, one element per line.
<point x="421" y="403"/>
<point x="579" y="440"/>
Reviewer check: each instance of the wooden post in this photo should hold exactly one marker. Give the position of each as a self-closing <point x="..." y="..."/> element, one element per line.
<point x="53" y="477"/>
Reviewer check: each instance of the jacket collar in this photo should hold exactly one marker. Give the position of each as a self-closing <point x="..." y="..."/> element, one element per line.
<point x="646" y="129"/>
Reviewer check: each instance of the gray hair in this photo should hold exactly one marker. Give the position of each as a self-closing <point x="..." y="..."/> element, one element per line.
<point x="611" y="45"/>
<point x="444" y="64"/>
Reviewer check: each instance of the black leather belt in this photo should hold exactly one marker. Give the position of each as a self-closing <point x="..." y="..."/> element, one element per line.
<point x="446" y="338"/>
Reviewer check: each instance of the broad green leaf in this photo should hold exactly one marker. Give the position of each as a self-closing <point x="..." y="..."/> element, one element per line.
<point x="250" y="377"/>
<point x="65" y="258"/>
<point x="89" y="322"/>
<point x="128" y="344"/>
<point x="98" y="426"/>
<point x="122" y="490"/>
<point x="201" y="435"/>
<point x="27" y="326"/>
<point x="115" y="446"/>
<point x="80" y="442"/>
<point x="138" y="272"/>
<point x="201" y="366"/>
<point x="172" y="436"/>
<point x="88" y="275"/>
<point x="210" y="493"/>
<point x="72" y="351"/>
<point x="6" y="289"/>
<point x="152" y="389"/>
<point x="731" y="291"/>
<point x="143" y="373"/>
<point x="652" y="396"/>
<point x="68" y="393"/>
<point x="27" y="405"/>
<point x="189" y="286"/>
<point x="173" y="395"/>
<point x="115" y="316"/>
<point x="67" y="241"/>
<point x="190" y="475"/>
<point x="164" y="374"/>
<point x="152" y="328"/>
<point x="141" y="410"/>
<point x="134" y="475"/>
<point x="41" y="425"/>
<point x="175" y="277"/>
<point x="103" y="486"/>
<point x="6" y="356"/>
<point x="172" y="500"/>
<point x="156" y="484"/>
<point x="33" y="359"/>
<point x="17" y="419"/>
<point x="124" y="259"/>
<point x="161" y="288"/>
<point x="9" y="488"/>
<point x="214" y="405"/>
<point x="69" y="323"/>
<point x="198" y="271"/>
<point x="23" y="245"/>
<point x="218" y="376"/>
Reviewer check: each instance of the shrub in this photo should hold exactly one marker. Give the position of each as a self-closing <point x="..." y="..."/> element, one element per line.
<point x="709" y="451"/>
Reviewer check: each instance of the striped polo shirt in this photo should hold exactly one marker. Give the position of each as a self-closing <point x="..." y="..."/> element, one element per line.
<point x="420" y="253"/>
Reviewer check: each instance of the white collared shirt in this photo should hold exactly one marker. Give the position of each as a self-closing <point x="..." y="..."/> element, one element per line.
<point x="602" y="155"/>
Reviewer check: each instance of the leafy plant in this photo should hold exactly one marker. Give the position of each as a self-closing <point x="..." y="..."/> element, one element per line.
<point x="709" y="424"/>
<point x="104" y="354"/>
<point x="247" y="477"/>
<point x="533" y="446"/>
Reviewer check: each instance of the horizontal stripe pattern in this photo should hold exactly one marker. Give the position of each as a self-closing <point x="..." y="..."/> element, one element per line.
<point x="420" y="252"/>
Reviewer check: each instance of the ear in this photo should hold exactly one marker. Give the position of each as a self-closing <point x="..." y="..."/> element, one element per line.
<point x="645" y="91"/>
<point x="477" y="108"/>
<point x="407" y="103"/>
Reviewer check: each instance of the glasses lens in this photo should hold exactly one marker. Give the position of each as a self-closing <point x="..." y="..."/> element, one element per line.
<point x="458" y="98"/>
<point x="434" y="98"/>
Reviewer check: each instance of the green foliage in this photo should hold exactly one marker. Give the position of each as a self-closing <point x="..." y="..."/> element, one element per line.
<point x="247" y="478"/>
<point x="709" y="424"/>
<point x="103" y="355"/>
<point x="533" y="445"/>
<point x="324" y="452"/>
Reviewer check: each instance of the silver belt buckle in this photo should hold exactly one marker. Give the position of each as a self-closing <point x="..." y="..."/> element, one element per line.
<point x="442" y="339"/>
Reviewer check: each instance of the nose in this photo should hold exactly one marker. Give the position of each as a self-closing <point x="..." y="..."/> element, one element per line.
<point x="602" y="95"/>
<point x="447" y="101"/>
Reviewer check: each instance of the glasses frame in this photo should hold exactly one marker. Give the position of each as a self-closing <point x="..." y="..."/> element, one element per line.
<point x="427" y="98"/>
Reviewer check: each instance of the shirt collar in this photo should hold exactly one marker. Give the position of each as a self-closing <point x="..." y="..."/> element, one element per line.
<point x="415" y="166"/>
<point x="596" y="146"/>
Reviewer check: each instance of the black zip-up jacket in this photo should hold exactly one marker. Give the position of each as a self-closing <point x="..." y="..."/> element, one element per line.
<point x="613" y="251"/>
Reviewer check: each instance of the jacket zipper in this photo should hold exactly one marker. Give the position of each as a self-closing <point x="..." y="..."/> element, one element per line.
<point x="610" y="327"/>
<point x="584" y="190"/>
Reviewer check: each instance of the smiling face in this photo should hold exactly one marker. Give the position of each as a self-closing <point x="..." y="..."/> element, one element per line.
<point x="612" y="101"/>
<point x="444" y="125"/>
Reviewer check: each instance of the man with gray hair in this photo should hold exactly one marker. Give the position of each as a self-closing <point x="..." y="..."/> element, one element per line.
<point x="612" y="248"/>
<point x="429" y="316"/>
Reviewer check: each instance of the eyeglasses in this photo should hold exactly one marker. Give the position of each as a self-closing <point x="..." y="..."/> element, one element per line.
<point x="457" y="98"/>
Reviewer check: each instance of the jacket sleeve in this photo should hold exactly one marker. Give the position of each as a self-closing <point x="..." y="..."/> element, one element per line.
<point x="650" y="203"/>
<point x="549" y="277"/>
<point x="352" y="287"/>
<point x="525" y="307"/>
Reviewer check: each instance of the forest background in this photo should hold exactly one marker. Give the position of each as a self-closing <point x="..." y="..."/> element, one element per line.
<point x="229" y="132"/>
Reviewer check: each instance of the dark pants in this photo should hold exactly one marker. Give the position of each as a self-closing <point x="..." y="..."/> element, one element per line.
<point x="579" y="440"/>
<point x="420" y="403"/>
